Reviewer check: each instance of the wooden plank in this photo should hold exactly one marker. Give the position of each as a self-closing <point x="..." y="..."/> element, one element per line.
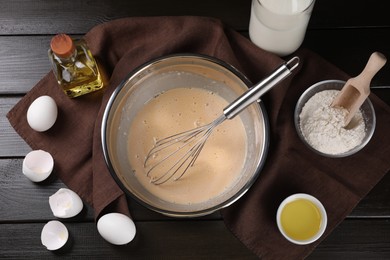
<point x="345" y="14"/>
<point x="11" y="144"/>
<point x="353" y="239"/>
<point x="376" y="203"/>
<point x="341" y="33"/>
<point x="23" y="62"/>
<point x="356" y="239"/>
<point x="26" y="201"/>
<point x="24" y="58"/>
<point x="77" y="17"/>
<point x="170" y="240"/>
<point x="349" y="49"/>
<point x="23" y="200"/>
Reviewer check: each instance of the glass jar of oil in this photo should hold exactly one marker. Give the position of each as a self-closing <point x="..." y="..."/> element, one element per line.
<point x="74" y="67"/>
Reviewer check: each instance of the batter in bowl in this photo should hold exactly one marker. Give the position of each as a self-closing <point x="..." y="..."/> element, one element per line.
<point x="176" y="110"/>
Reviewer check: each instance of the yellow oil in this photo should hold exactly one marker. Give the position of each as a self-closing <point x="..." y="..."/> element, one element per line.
<point x="301" y="219"/>
<point x="78" y="74"/>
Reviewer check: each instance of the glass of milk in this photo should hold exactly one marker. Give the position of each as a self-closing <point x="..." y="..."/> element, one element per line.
<point x="279" y="26"/>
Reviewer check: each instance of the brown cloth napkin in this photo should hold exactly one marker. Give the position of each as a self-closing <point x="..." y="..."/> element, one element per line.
<point x="122" y="45"/>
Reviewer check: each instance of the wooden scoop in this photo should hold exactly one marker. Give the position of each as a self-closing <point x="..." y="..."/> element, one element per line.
<point x="357" y="89"/>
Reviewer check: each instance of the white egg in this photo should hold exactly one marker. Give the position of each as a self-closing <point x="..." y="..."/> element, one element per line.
<point x="116" y="228"/>
<point x="42" y="113"/>
<point x="65" y="203"/>
<point x="54" y="235"/>
<point x="37" y="165"/>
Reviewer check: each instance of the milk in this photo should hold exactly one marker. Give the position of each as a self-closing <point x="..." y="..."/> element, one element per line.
<point x="279" y="26"/>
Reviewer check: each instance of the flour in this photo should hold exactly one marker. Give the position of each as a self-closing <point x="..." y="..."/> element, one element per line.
<point x="322" y="125"/>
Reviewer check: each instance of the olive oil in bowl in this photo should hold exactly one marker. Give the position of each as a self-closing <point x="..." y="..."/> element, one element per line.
<point x="301" y="218"/>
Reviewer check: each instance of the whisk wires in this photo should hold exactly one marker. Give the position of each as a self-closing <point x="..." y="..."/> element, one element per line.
<point x="171" y="157"/>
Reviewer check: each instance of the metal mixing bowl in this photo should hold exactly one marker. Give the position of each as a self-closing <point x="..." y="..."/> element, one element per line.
<point x="367" y="111"/>
<point x="166" y="73"/>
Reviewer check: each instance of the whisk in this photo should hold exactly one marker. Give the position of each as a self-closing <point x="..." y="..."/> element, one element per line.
<point x="171" y="157"/>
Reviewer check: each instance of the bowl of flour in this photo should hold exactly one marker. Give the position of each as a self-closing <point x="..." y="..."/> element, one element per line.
<point x="321" y="127"/>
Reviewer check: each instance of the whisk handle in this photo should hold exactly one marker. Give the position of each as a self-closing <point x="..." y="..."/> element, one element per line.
<point x="254" y="93"/>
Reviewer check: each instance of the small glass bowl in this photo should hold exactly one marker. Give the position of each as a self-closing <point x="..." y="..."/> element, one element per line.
<point x="366" y="108"/>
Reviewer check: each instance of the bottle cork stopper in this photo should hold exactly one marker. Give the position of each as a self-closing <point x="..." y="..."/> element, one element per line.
<point x="62" y="45"/>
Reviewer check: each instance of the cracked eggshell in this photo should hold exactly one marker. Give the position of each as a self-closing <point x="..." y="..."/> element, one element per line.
<point x="116" y="228"/>
<point x="38" y="165"/>
<point x="65" y="203"/>
<point x="42" y="113"/>
<point x="54" y="235"/>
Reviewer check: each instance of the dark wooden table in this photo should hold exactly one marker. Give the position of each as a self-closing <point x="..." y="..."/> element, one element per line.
<point x="344" y="32"/>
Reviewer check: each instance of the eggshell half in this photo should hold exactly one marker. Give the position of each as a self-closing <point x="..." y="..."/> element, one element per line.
<point x="42" y="113"/>
<point x="54" y="235"/>
<point x="38" y="165"/>
<point x="116" y="228"/>
<point x="65" y="203"/>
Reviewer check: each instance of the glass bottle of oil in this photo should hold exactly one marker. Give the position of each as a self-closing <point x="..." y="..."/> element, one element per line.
<point x="75" y="68"/>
